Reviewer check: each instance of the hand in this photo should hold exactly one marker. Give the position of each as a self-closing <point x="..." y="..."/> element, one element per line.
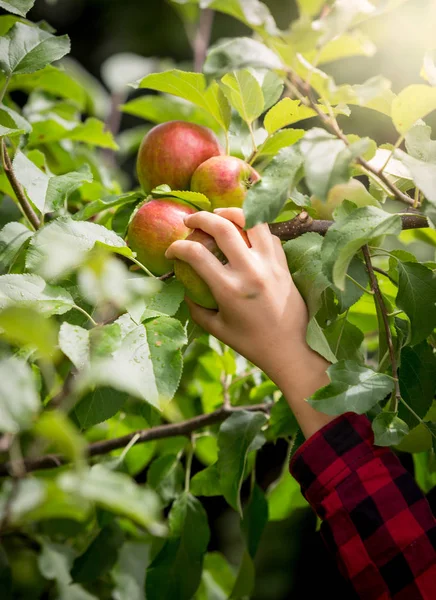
<point x="261" y="313"/>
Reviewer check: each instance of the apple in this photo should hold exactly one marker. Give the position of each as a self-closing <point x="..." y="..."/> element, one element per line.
<point x="196" y="288"/>
<point x="153" y="228"/>
<point x="170" y="153"/>
<point x="225" y="180"/>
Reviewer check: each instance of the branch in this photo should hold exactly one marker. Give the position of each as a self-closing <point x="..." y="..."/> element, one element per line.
<point x="382" y="306"/>
<point x="202" y="38"/>
<point x="185" y="428"/>
<point x="16" y="186"/>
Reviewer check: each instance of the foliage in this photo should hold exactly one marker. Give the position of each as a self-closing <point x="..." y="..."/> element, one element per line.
<point x="99" y="360"/>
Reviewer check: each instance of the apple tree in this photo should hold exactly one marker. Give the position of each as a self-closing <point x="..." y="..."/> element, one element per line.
<point x="109" y="394"/>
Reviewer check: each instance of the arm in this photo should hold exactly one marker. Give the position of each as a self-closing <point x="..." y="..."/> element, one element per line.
<point x="376" y="521"/>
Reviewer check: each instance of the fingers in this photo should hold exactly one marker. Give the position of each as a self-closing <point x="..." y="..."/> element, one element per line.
<point x="259" y="235"/>
<point x="226" y="236"/>
<point x="200" y="259"/>
<point x="209" y="320"/>
<point x="279" y="252"/>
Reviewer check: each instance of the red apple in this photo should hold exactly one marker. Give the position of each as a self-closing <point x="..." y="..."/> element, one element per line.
<point x="225" y="180"/>
<point x="153" y="228"/>
<point x="196" y="288"/>
<point x="170" y="153"/>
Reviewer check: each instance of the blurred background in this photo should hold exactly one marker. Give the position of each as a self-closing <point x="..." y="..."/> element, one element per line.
<point x="291" y="551"/>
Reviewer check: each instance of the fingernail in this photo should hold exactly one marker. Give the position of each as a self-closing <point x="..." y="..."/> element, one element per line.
<point x="218" y="210"/>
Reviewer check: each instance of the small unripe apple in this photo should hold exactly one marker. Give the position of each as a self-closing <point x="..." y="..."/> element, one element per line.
<point x="225" y="180"/>
<point x="170" y="153"/>
<point x="152" y="230"/>
<point x="196" y="288"/>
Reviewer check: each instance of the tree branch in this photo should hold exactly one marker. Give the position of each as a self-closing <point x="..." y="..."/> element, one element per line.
<point x="382" y="306"/>
<point x="185" y="428"/>
<point x="16" y="186"/>
<point x="202" y="38"/>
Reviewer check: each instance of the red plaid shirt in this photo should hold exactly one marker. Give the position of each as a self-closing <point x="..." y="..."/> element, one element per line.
<point x="376" y="521"/>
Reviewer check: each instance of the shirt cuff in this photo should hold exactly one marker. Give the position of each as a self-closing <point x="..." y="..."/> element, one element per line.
<point x="333" y="453"/>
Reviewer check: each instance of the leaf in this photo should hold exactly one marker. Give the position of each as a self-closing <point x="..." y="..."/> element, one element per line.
<point x="10" y="125"/>
<point x="417" y="297"/>
<point x="351" y="294"/>
<point x="19" y="401"/>
<point x="413" y="103"/>
<point x="265" y="199"/>
<point x="129" y="572"/>
<point x="305" y="264"/>
<point x="423" y="174"/>
<point x="342" y="15"/>
<point x="93" y="132"/>
<point x="388" y="429"/>
<point x="98" y="405"/>
<point x="238" y="436"/>
<point x="100" y="556"/>
<point x="117" y="493"/>
<point x="27" y="496"/>
<point x="254" y="520"/>
<point x="281" y="139"/>
<point x="13" y="236"/>
<point x="198" y="200"/>
<point x="353" y="388"/>
<point x="244" y="93"/>
<point x="245" y="580"/>
<point x="62" y="245"/>
<point x="166" y="301"/>
<point x="175" y="572"/>
<point x="33" y="292"/>
<point x="218" y="578"/>
<point x="17" y="7"/>
<point x="166" y="476"/>
<point x="206" y="482"/>
<point x="417" y="375"/>
<point x="253" y="13"/>
<point x="93" y="208"/>
<point x="55" y="427"/>
<point x="284" y="497"/>
<point x="74" y="343"/>
<point x="55" y="129"/>
<point x="47" y="193"/>
<point x="346" y="237"/>
<point x="345" y="340"/>
<point x="26" y="49"/>
<point x="191" y="87"/>
<point x="419" y="143"/>
<point x="282" y="421"/>
<point x="327" y="160"/>
<point x="239" y="53"/>
<point x="318" y="342"/>
<point x="286" y="112"/>
<point x="310" y="7"/>
<point x="30" y="330"/>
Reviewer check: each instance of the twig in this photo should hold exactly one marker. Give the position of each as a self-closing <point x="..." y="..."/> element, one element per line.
<point x="167" y="276"/>
<point x="385" y="274"/>
<point x="185" y="428"/>
<point x="225" y="382"/>
<point x="382" y="306"/>
<point x="16" y="186"/>
<point x="202" y="38"/>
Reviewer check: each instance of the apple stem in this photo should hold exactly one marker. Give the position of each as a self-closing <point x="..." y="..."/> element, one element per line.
<point x="142" y="267"/>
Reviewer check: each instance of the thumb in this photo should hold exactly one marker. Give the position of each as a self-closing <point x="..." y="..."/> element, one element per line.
<point x="208" y="319"/>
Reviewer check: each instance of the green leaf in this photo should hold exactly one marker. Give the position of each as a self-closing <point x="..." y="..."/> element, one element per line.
<point x="62" y="245"/>
<point x="47" y="192"/>
<point x="284" y="497"/>
<point x="98" y="405"/>
<point x="28" y="495"/>
<point x="245" y="580"/>
<point x="238" y="436"/>
<point x="286" y="112"/>
<point x="425" y="476"/>
<point x="17" y="7"/>
<point x="345" y="340"/>
<point x="351" y="294"/>
<point x="93" y="208"/>
<point x="239" y="53"/>
<point x="166" y="476"/>
<point x="423" y="174"/>
<point x="353" y="388"/>
<point x="191" y="87"/>
<point x="218" y="578"/>
<point x="305" y="264"/>
<point x="244" y="93"/>
<point x="253" y="13"/>
<point x="310" y="7"/>
<point x="10" y="124"/>
<point x="254" y="520"/>
<point x="416" y="296"/>
<point x="55" y="563"/>
<point x="19" y="401"/>
<point x="347" y="236"/>
<point x="198" y="200"/>
<point x="388" y="429"/>
<point x="6" y="576"/>
<point x="342" y="15"/>
<point x="100" y="556"/>
<point x="413" y="103"/>
<point x="74" y="343"/>
<point x="281" y="139"/>
<point x="282" y="421"/>
<point x="117" y="493"/>
<point x="13" y="236"/>
<point x="33" y="292"/>
<point x="166" y="301"/>
<point x="206" y="482"/>
<point x="26" y="49"/>
<point x="265" y="200"/>
<point x="175" y="572"/>
<point x="55" y="427"/>
<point x="417" y="376"/>
<point x="327" y="160"/>
<point x="29" y="329"/>
<point x="318" y="342"/>
<point x="129" y="572"/>
<point x="419" y="143"/>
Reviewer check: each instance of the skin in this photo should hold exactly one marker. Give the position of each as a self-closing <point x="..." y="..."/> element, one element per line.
<point x="171" y="152"/>
<point x="260" y="313"/>
<point x="155" y="226"/>
<point x="196" y="288"/>
<point x="225" y="180"/>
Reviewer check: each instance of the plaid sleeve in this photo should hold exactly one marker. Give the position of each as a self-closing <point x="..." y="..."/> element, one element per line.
<point x="376" y="521"/>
